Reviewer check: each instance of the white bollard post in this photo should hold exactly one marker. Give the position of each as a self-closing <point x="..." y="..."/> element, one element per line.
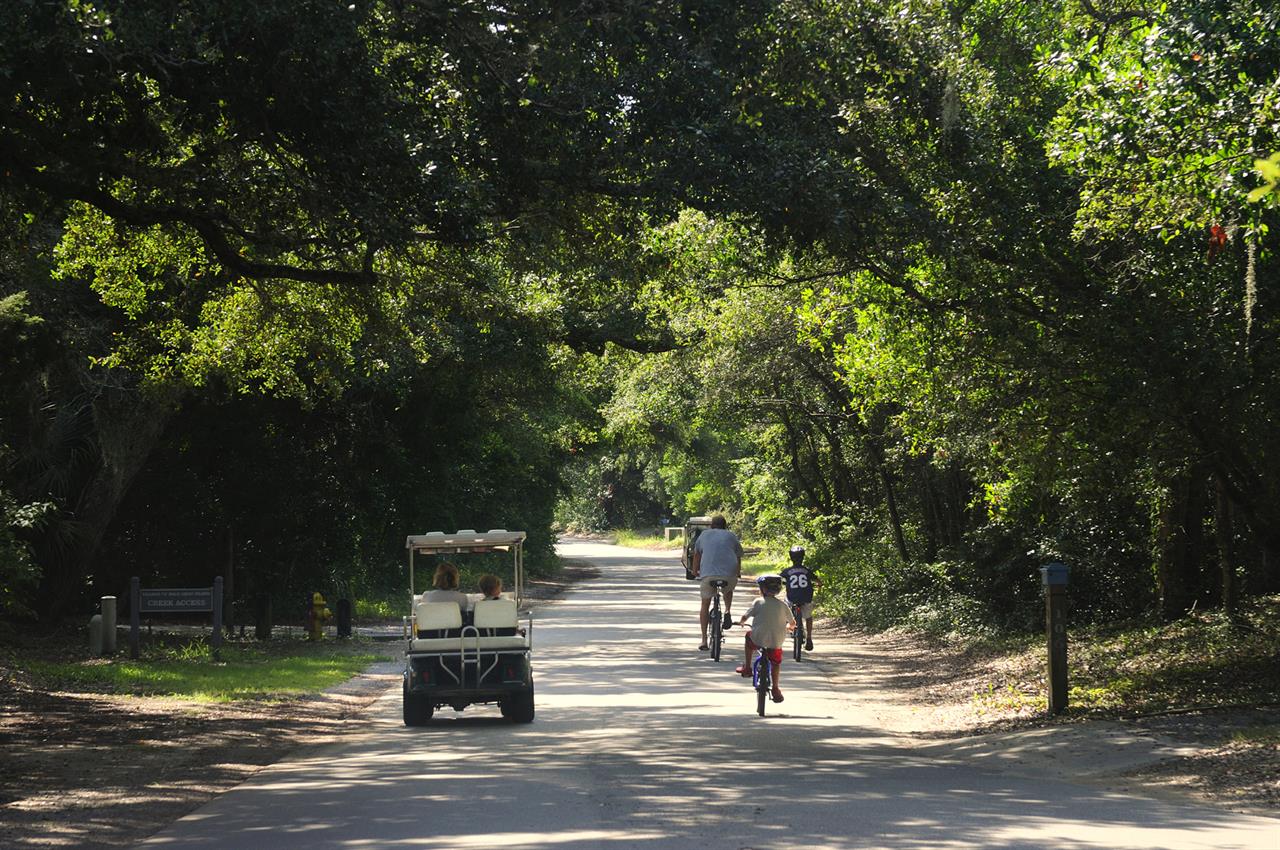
<point x="95" y="635"/>
<point x="108" y="625"/>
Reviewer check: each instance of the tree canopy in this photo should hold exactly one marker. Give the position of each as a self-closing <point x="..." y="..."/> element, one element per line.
<point x="946" y="288"/>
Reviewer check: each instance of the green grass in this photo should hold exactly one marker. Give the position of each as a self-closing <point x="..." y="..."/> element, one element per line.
<point x="645" y="539"/>
<point x="763" y="562"/>
<point x="757" y="560"/>
<point x="389" y="606"/>
<point x="1267" y="735"/>
<point x="273" y="670"/>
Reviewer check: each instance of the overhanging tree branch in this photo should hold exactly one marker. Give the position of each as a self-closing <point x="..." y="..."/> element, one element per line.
<point x="207" y="227"/>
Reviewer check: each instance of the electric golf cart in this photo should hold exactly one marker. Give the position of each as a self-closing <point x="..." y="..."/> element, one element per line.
<point x="460" y="656"/>
<point x="693" y="526"/>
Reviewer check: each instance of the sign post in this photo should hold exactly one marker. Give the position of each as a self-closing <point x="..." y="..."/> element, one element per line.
<point x="135" y="616"/>
<point x="1054" y="579"/>
<point x="216" y="642"/>
<point x="174" y="600"/>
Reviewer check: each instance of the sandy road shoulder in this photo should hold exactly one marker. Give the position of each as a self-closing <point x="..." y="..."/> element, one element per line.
<point x="925" y="698"/>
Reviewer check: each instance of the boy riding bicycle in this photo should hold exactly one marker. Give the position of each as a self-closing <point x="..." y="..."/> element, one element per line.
<point x="800" y="582"/>
<point x="770" y="620"/>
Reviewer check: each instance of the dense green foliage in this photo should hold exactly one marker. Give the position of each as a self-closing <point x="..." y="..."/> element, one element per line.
<point x="946" y="289"/>
<point x="1045" y="335"/>
<point x="283" y="288"/>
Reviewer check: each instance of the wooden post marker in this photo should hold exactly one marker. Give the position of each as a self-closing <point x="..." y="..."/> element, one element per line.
<point x="1054" y="578"/>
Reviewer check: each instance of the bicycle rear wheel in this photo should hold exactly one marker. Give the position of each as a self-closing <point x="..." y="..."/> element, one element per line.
<point x="717" y="634"/>
<point x="797" y="641"/>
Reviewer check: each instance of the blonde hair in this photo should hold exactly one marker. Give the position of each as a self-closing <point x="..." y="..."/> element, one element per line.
<point x="446" y="577"/>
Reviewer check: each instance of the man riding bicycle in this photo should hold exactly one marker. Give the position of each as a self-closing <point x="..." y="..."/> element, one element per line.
<point x="716" y="555"/>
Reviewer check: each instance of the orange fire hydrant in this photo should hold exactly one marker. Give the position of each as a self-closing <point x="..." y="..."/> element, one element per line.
<point x="317" y="616"/>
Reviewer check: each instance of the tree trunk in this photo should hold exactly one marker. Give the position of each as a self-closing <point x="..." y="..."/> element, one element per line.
<point x="1179" y="535"/>
<point x="128" y="425"/>
<point x="816" y="490"/>
<point x="1224" y="531"/>
<point x="229" y="584"/>
<point x="891" y="501"/>
<point x="930" y="508"/>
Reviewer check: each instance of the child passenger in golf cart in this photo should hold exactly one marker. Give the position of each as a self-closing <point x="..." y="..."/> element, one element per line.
<point x="490" y="586"/>
<point x="491" y="590"/>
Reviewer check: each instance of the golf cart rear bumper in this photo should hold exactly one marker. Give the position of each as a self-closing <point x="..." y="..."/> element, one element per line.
<point x="452" y="676"/>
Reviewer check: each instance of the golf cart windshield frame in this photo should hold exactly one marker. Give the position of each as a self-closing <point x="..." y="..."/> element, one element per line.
<point x="468" y="541"/>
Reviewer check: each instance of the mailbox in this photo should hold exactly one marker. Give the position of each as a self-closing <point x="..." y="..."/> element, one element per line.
<point x="1054" y="574"/>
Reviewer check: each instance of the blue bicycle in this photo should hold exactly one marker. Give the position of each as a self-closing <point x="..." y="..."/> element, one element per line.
<point x="762" y="675"/>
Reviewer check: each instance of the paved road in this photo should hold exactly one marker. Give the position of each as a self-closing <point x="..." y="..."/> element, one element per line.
<point x="642" y="742"/>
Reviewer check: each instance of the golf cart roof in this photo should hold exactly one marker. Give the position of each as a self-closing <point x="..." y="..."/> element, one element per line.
<point x="698" y="520"/>
<point x="465" y="540"/>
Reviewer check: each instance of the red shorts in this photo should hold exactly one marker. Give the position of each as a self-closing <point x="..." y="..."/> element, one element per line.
<point x="775" y="655"/>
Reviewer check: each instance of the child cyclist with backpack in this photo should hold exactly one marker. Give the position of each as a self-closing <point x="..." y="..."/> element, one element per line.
<point x="770" y="621"/>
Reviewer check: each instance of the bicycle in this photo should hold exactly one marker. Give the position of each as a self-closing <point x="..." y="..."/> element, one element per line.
<point x="717" y="621"/>
<point x="762" y="675"/>
<point x="797" y="637"/>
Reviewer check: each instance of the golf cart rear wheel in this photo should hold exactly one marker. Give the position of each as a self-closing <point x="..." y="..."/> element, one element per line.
<point x="518" y="707"/>
<point x="417" y="709"/>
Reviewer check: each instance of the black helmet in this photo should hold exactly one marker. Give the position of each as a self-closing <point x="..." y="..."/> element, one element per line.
<point x="797" y="554"/>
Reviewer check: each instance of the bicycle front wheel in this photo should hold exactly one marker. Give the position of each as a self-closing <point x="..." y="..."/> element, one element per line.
<point x="763" y="683"/>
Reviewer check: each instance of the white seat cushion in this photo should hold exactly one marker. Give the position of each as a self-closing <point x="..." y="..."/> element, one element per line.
<point x="495" y="614"/>
<point x="438" y="615"/>
<point x="452" y="644"/>
<point x="502" y="642"/>
<point x="484" y="644"/>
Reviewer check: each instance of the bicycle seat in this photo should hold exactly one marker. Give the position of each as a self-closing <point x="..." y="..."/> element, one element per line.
<point x="719" y="582"/>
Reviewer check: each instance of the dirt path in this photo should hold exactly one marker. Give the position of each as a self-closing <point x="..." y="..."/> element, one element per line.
<point x="935" y="700"/>
<point x="101" y="771"/>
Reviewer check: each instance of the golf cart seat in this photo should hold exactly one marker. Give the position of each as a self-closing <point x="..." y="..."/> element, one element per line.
<point x="495" y="623"/>
<point x="492" y="615"/>
<point x="438" y="625"/>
